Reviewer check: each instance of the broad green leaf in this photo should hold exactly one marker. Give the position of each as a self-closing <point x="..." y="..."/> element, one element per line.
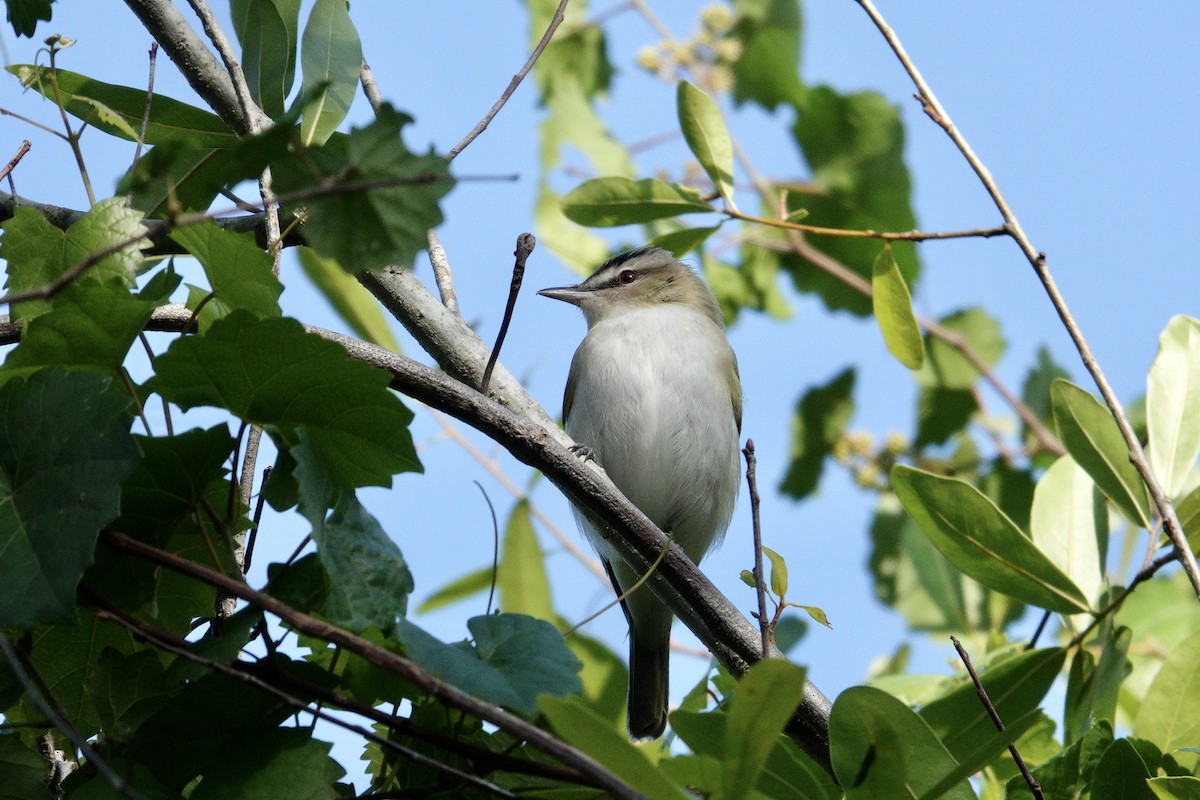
<point x="283" y="762"/>
<point x="369" y="580"/>
<point x="376" y="200"/>
<point x="267" y="32"/>
<point x="766" y="72"/>
<point x="66" y="659"/>
<point x="38" y="253"/>
<point x="468" y="585"/>
<point x="273" y="373"/>
<point x="1035" y="391"/>
<point x="1093" y="686"/>
<point x="515" y="659"/>
<point x="1121" y="774"/>
<point x="986" y="753"/>
<point x="1069" y="772"/>
<point x="64" y="450"/>
<point x="23" y="768"/>
<point x="239" y="273"/>
<point x="941" y="413"/>
<point x="605" y="202"/>
<point x="604" y="675"/>
<point x="821" y="417"/>
<point x="977" y="538"/>
<point x="1091" y="436"/>
<point x="683" y="241"/>
<point x="894" y="312"/>
<point x="89" y="326"/>
<point x="1173" y="404"/>
<point x="1170" y="712"/>
<point x="751" y="285"/>
<point x="330" y="58"/>
<point x="1069" y="524"/>
<point x="764" y="700"/>
<point x="579" y="725"/>
<point x="1015" y="687"/>
<point x="882" y="749"/>
<point x="528" y="652"/>
<point x="169" y="118"/>
<point x="353" y="303"/>
<point x="128" y="689"/>
<point x="704" y="131"/>
<point x="788" y="773"/>
<point x="945" y="366"/>
<point x="1188" y="511"/>
<point x="24" y="16"/>
<point x="104" y="117"/>
<point x="1175" y="787"/>
<point x="522" y="580"/>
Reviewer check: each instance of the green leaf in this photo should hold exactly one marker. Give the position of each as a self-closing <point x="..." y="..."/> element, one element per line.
<point x="330" y="58"/>
<point x="1188" y="511"/>
<point x="764" y="700"/>
<point x="516" y="658"/>
<point x="357" y="307"/>
<point x="277" y="763"/>
<point x="779" y="572"/>
<point x="1035" y="391"/>
<point x="89" y="326"/>
<point x="605" y="202"/>
<point x="169" y="118"/>
<point x="1015" y="687"/>
<point x="1092" y="688"/>
<point x="239" y="273"/>
<point x="820" y="419"/>
<point x="894" y="313"/>
<point x="941" y="413"/>
<point x="522" y="580"/>
<point x="704" y="131"/>
<point x="1181" y="787"/>
<point x="24" y="16"/>
<point x="880" y="748"/>
<point x="24" y="769"/>
<point x="1173" y="404"/>
<point x="1091" y="436"/>
<point x="977" y="538"/>
<point x="468" y="585"/>
<point x="683" y="241"/>
<point x="946" y="367"/>
<point x="267" y="32"/>
<point x="39" y="253"/>
<point x="64" y="450"/>
<point x="128" y="689"/>
<point x="273" y="373"/>
<point x="1121" y="774"/>
<point x="376" y="200"/>
<point x="369" y="580"/>
<point x="1170" y="712"/>
<point x="986" y="754"/>
<point x="1069" y="524"/>
<point x="767" y="70"/>
<point x="753" y="284"/>
<point x="530" y="653"/>
<point x="1069" y="772"/>
<point x="587" y="730"/>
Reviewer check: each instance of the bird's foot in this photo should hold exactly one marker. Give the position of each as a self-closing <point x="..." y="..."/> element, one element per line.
<point x="584" y="452"/>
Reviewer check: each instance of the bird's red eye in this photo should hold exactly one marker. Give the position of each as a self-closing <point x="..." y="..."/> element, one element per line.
<point x="627" y="277"/>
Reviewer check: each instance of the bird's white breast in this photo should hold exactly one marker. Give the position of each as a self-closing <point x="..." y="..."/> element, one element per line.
<point x="652" y="400"/>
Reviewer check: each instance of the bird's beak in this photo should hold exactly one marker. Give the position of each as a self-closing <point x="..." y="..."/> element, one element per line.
<point x="568" y="294"/>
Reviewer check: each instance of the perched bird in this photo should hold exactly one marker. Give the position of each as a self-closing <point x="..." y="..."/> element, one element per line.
<point x="654" y="395"/>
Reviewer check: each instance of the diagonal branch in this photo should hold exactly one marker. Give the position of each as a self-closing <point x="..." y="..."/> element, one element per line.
<point x="1037" y="260"/>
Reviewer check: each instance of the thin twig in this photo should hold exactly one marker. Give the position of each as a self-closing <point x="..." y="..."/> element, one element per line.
<point x="141" y="141"/>
<point x="525" y="244"/>
<point x="1144" y="575"/>
<point x="760" y="589"/>
<point x="887" y="236"/>
<point x="1037" y="260"/>
<point x="382" y="658"/>
<point x="495" y="547"/>
<point x="481" y="126"/>
<point x="16" y="159"/>
<point x="1034" y="786"/>
<point x="224" y="49"/>
<point x="47" y="706"/>
<point x="252" y="535"/>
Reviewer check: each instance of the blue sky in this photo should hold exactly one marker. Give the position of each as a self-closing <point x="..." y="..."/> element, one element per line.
<point x="1085" y="113"/>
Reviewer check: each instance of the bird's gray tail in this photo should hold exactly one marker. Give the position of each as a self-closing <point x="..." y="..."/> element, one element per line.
<point x="648" y="678"/>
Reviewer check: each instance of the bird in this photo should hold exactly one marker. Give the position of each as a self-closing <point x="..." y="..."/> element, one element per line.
<point x="654" y="396"/>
